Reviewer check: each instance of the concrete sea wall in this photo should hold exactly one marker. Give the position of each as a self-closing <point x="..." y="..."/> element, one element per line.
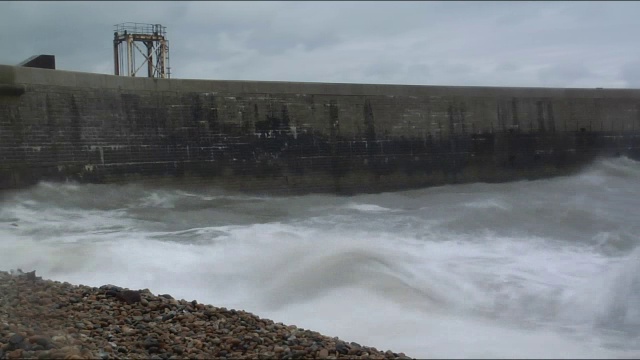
<point x="283" y="136"/>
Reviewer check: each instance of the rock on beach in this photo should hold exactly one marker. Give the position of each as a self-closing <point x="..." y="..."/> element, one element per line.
<point x="43" y="319"/>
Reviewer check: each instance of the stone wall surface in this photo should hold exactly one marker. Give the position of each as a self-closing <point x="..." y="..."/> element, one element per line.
<point x="282" y="136"/>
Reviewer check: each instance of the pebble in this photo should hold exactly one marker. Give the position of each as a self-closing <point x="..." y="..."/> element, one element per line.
<point x="42" y="319"/>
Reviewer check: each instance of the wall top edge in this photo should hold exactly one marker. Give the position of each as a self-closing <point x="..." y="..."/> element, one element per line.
<point x="34" y="76"/>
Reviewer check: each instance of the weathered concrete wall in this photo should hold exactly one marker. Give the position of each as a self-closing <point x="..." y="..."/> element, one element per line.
<point x="301" y="136"/>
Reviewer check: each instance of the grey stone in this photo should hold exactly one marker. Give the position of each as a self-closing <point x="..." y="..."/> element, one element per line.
<point x="129" y="296"/>
<point x="342" y="348"/>
<point x="16" y="339"/>
<point x="150" y="342"/>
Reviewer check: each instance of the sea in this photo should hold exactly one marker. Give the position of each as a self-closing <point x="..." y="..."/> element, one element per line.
<point x="529" y="269"/>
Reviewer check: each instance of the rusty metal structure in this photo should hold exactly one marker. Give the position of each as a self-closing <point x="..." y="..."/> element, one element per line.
<point x="130" y="40"/>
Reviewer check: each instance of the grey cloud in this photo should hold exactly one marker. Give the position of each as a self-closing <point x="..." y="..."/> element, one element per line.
<point x="382" y="69"/>
<point x="506" y="67"/>
<point x="455" y="67"/>
<point x="454" y="43"/>
<point x="418" y="70"/>
<point x="275" y="43"/>
<point x="631" y="74"/>
<point x="516" y="13"/>
<point x="563" y="75"/>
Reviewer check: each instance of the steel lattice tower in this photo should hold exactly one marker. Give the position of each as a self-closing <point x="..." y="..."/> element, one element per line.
<point x="154" y="48"/>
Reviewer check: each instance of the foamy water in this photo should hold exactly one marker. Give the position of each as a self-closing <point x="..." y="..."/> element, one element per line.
<point x="547" y="268"/>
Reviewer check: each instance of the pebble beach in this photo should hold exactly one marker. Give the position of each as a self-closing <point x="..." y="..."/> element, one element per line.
<point x="46" y="319"/>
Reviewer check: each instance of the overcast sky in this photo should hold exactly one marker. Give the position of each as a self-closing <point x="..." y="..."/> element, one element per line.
<point x="565" y="44"/>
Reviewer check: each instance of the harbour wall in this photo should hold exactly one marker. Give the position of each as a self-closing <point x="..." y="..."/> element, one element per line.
<point x="301" y="137"/>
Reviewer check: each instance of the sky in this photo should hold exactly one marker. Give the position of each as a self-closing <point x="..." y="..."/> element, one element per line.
<point x="503" y="43"/>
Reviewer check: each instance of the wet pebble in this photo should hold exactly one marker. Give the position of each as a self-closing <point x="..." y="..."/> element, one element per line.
<point x="47" y="319"/>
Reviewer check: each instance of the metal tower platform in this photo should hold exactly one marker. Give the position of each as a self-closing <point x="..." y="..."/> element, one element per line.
<point x="154" y="48"/>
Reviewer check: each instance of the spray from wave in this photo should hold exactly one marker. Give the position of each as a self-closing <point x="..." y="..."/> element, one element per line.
<point x="546" y="268"/>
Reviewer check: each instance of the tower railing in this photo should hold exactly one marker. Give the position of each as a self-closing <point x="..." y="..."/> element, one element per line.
<point x="148" y="41"/>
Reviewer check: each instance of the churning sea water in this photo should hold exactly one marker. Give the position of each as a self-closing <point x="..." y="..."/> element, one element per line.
<point x="546" y="268"/>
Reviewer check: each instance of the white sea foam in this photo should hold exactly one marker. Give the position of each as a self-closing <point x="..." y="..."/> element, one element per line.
<point x="546" y="268"/>
<point x="367" y="207"/>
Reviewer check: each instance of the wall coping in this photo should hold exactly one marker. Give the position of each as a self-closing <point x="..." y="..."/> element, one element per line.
<point x="47" y="77"/>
